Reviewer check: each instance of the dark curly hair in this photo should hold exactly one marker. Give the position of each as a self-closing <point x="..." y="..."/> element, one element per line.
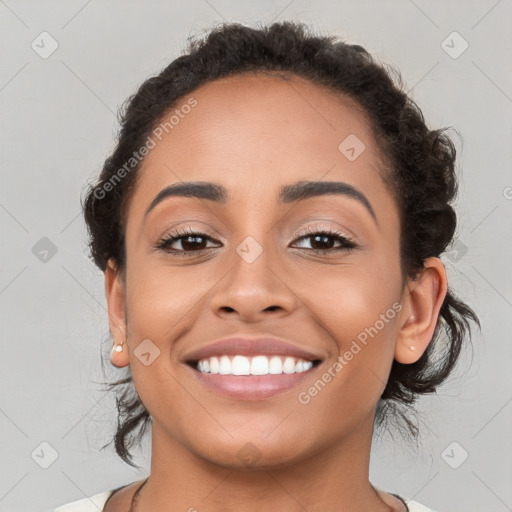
<point x="420" y="163"/>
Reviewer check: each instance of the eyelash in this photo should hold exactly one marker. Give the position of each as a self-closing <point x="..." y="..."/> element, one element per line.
<point x="165" y="242"/>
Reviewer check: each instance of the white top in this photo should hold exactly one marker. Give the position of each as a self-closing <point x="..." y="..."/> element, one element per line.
<point x="97" y="502"/>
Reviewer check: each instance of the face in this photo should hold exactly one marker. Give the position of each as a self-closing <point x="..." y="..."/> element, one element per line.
<point x="321" y="271"/>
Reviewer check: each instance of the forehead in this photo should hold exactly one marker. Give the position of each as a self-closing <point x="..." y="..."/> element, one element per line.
<point x="257" y="132"/>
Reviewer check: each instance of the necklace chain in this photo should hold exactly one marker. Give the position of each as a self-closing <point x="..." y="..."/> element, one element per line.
<point x="136" y="495"/>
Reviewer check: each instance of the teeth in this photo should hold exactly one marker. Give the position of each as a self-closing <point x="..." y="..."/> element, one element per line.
<point x="257" y="365"/>
<point x="240" y="366"/>
<point x="225" y="366"/>
<point x="275" y="366"/>
<point x="289" y="365"/>
<point x="214" y="365"/>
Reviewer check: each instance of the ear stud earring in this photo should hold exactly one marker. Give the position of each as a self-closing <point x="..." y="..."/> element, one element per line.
<point x="412" y="347"/>
<point x="118" y="348"/>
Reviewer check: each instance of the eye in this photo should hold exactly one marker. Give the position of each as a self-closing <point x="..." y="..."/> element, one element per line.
<point x="194" y="243"/>
<point x="322" y="241"/>
<point x="190" y="241"/>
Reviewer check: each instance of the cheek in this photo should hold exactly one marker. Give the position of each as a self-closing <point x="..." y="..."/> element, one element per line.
<point x="162" y="300"/>
<point x="362" y="321"/>
<point x="358" y="306"/>
<point x="160" y="308"/>
<point x="352" y="298"/>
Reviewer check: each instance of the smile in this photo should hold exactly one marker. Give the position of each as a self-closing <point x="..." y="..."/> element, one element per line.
<point x="252" y="378"/>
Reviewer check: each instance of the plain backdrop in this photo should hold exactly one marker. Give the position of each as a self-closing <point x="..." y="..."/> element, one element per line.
<point x="58" y="124"/>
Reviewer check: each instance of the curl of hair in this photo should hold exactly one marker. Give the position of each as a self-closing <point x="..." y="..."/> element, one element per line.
<point x="420" y="167"/>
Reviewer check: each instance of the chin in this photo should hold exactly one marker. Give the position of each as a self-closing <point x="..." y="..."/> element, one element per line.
<point x="251" y="453"/>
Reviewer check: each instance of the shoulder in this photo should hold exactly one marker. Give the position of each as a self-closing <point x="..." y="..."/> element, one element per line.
<point x="391" y="499"/>
<point x="118" y="499"/>
<point x="414" y="506"/>
<point x="90" y="504"/>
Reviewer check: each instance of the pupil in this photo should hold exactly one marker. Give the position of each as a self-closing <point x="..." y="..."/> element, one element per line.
<point x="188" y="242"/>
<point x="322" y="239"/>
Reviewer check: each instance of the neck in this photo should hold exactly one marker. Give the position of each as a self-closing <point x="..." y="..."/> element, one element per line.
<point x="334" y="477"/>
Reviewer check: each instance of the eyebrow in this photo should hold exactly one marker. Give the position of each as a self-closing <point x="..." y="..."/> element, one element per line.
<point x="288" y="194"/>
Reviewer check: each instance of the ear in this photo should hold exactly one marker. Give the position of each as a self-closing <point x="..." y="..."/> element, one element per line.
<point x="115" y="293"/>
<point x="422" y="301"/>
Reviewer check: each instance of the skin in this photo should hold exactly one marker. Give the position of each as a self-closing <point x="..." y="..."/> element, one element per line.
<point x="254" y="134"/>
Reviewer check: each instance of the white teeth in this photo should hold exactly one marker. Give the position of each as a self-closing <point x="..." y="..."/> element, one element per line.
<point x="289" y="365"/>
<point x="275" y="366"/>
<point x="225" y="365"/>
<point x="240" y="366"/>
<point x="214" y="365"/>
<point x="257" y="365"/>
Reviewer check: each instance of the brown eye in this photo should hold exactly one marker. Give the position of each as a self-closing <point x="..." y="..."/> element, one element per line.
<point x="184" y="241"/>
<point x="324" y="241"/>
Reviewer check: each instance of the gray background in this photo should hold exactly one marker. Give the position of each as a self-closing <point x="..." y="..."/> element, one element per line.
<point x="58" y="125"/>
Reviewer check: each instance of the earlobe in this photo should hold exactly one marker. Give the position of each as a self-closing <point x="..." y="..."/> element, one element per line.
<point x="114" y="291"/>
<point x="423" y="298"/>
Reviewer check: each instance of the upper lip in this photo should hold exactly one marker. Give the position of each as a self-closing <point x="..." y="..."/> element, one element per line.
<point x="250" y="347"/>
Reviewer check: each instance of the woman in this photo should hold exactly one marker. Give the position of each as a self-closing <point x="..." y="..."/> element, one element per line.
<point x="270" y="225"/>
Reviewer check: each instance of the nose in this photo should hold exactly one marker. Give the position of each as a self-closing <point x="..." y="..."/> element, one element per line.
<point x="254" y="289"/>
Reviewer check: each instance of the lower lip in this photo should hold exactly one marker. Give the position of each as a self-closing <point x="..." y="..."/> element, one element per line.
<point x="252" y="387"/>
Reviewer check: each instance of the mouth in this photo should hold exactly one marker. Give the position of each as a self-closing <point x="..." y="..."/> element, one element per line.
<point x="252" y="368"/>
<point x="252" y="378"/>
